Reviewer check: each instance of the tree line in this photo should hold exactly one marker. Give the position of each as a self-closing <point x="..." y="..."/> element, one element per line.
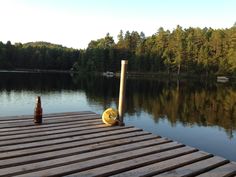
<point x="37" y="55"/>
<point x="191" y="50"/>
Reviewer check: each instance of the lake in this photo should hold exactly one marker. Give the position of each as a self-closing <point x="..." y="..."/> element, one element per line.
<point x="198" y="113"/>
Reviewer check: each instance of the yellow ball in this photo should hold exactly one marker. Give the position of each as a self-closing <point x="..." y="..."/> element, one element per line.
<point x="110" y="116"/>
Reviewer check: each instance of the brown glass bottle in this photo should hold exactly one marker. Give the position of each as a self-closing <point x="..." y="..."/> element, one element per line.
<point x="38" y="111"/>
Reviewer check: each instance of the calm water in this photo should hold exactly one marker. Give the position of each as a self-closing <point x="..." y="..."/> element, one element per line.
<point x="197" y="113"/>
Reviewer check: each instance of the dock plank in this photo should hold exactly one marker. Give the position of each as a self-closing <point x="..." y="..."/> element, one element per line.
<point x="135" y="142"/>
<point x="48" y="121"/>
<point x="119" y="157"/>
<point x="21" y="131"/>
<point x="157" y="167"/>
<point x="79" y="144"/>
<point x="74" y="128"/>
<point x="196" y="168"/>
<point x="67" y="139"/>
<point x="15" y="130"/>
<point x="227" y="170"/>
<point x="81" y="156"/>
<point x="62" y="114"/>
<point x="65" y="145"/>
<point x="30" y="119"/>
<point x="61" y="135"/>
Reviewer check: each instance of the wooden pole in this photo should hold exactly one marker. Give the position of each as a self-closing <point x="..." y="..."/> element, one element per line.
<point x="38" y="111"/>
<point x="124" y="64"/>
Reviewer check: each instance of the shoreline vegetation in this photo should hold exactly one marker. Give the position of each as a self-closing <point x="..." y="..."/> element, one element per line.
<point x="181" y="52"/>
<point x="149" y="75"/>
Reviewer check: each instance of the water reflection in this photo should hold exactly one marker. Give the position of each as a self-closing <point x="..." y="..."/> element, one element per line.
<point x="195" y="103"/>
<point x="202" y="103"/>
<point x="35" y="82"/>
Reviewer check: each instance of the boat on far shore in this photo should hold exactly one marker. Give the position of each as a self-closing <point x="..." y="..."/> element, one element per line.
<point x="108" y="74"/>
<point x="222" y="79"/>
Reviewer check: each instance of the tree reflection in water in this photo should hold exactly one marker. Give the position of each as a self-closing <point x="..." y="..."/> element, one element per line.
<point x="189" y="102"/>
<point x="204" y="103"/>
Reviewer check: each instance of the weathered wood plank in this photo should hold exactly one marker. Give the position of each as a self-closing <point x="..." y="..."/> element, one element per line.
<point x="47" y="118"/>
<point x="73" y="138"/>
<point x="78" y="144"/>
<point x="196" y="168"/>
<point x="79" y="157"/>
<point x="33" y="127"/>
<point x="152" y="169"/>
<point x="51" y="128"/>
<point x="134" y="163"/>
<point x="227" y="170"/>
<point x="58" y="136"/>
<point x="115" y="140"/>
<point x="34" y="135"/>
<point x="22" y="117"/>
<point x="47" y="121"/>
<point x="109" y="149"/>
<point x="117" y="157"/>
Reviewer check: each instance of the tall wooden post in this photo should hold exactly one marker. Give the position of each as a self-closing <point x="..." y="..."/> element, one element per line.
<point x="124" y="64"/>
<point x="38" y="111"/>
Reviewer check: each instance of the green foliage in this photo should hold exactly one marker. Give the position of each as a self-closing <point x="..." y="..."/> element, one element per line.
<point x="190" y="51"/>
<point x="37" y="55"/>
<point x="193" y="50"/>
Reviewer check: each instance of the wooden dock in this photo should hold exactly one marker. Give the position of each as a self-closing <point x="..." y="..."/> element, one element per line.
<point x="79" y="144"/>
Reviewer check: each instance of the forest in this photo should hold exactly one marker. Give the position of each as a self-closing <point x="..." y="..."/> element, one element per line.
<point x="37" y="55"/>
<point x="198" y="51"/>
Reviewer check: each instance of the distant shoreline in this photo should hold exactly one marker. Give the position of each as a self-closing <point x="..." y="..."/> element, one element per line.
<point x="117" y="74"/>
<point x="35" y="71"/>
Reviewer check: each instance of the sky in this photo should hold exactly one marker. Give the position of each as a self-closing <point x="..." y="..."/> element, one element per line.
<point x="74" y="23"/>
